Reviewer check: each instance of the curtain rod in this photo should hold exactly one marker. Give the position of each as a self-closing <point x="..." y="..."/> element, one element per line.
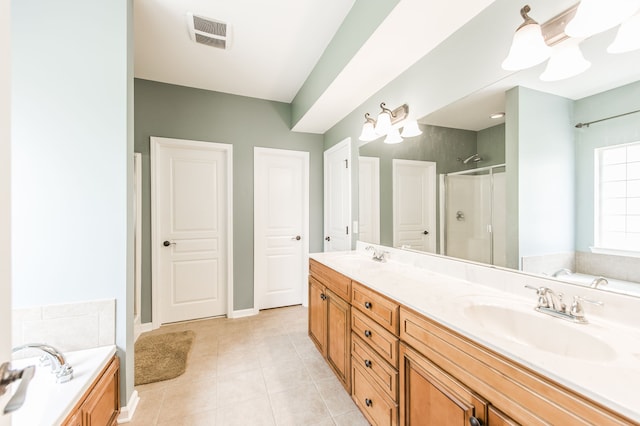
<point x="581" y="125"/>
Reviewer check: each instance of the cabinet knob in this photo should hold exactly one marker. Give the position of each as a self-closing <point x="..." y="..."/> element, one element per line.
<point x="368" y="402"/>
<point x="367" y="333"/>
<point x="367" y="363"/>
<point x="322" y="296"/>
<point x="474" y="422"/>
<point x="367" y="305"/>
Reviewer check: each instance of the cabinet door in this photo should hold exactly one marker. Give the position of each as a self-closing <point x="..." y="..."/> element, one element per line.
<point x="339" y="337"/>
<point x="430" y="397"/>
<point x="102" y="406"/>
<point x="317" y="315"/>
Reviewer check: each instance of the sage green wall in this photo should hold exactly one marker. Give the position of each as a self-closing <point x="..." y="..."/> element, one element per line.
<point x="72" y="159"/>
<point x="361" y="21"/>
<point x="185" y="113"/>
<point x="491" y="145"/>
<point x="611" y="132"/>
<point x="546" y="172"/>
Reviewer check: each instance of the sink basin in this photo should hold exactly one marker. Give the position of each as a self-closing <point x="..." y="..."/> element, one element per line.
<point x="532" y="329"/>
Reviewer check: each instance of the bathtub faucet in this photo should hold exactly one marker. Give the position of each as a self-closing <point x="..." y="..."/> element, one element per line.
<point x="597" y="282"/>
<point x="53" y="357"/>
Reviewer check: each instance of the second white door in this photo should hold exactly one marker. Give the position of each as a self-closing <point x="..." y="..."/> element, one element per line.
<point x="414" y="204"/>
<point x="337" y="197"/>
<point x="281" y="222"/>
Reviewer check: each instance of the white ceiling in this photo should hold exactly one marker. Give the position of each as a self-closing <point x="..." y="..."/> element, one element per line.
<point x="277" y="43"/>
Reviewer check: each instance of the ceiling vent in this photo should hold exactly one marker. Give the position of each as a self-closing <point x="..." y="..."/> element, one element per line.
<point x="210" y="32"/>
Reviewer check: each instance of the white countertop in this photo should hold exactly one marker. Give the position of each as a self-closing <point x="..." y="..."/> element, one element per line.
<point x="49" y="403"/>
<point x="611" y="379"/>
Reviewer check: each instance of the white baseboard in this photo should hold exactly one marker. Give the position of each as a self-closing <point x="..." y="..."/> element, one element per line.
<point x="138" y="329"/>
<point x="244" y="313"/>
<point x="126" y="413"/>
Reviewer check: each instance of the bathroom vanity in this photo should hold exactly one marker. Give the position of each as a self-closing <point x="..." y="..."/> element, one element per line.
<point x="426" y="340"/>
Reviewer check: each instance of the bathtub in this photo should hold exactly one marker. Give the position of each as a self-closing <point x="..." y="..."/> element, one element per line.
<point x="47" y="402"/>
<point x="617" y="286"/>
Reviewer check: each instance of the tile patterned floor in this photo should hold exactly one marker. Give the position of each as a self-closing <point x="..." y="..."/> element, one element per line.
<point x="261" y="370"/>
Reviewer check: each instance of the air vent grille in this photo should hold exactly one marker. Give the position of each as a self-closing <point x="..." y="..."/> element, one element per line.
<point x="207" y="31"/>
<point x="210" y="41"/>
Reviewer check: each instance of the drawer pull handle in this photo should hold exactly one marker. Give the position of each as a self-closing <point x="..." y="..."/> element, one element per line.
<point x="368" y="402"/>
<point x="367" y="363"/>
<point x="367" y="305"/>
<point x="474" y="421"/>
<point x="367" y="333"/>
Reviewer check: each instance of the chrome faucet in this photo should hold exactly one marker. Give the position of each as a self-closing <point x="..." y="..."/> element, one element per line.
<point x="598" y="282"/>
<point x="378" y="255"/>
<point x="551" y="303"/>
<point x="563" y="271"/>
<point x="52" y="357"/>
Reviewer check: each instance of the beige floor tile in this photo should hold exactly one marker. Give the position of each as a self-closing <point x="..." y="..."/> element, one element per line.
<point x="336" y="398"/>
<point x="204" y="418"/>
<point x="188" y="398"/>
<point x="148" y="407"/>
<point x="352" y="418"/>
<point x="318" y="368"/>
<point x="255" y="412"/>
<point x="237" y="362"/>
<point x="302" y="405"/>
<point x="239" y="387"/>
<point x="280" y="378"/>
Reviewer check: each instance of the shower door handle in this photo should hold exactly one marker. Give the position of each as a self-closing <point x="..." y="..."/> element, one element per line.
<point x="426" y="232"/>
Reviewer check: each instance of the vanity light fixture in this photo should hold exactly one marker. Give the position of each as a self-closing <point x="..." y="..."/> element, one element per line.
<point x="628" y="36"/>
<point x="497" y="115"/>
<point x="528" y="47"/>
<point x="388" y="124"/>
<point x="532" y="42"/>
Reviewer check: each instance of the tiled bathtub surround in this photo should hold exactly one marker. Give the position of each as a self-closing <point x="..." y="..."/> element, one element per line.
<point x="67" y="327"/>
<point x="609" y="266"/>
<point x="548" y="264"/>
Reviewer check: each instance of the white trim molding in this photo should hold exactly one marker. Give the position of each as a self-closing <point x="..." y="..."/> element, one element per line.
<point x="127" y="412"/>
<point x="243" y="313"/>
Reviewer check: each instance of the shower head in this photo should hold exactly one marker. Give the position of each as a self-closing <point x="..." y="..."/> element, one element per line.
<point x="474" y="158"/>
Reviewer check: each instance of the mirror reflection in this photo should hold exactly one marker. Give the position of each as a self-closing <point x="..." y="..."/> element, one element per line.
<point x="551" y="188"/>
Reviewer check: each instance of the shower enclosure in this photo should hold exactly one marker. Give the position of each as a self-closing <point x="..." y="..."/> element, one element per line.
<point x="473" y="215"/>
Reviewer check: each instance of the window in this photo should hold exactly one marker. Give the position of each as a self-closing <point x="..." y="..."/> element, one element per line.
<point x="617" y="197"/>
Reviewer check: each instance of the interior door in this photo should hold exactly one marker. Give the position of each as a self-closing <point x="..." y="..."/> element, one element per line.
<point x="281" y="217"/>
<point x="190" y="211"/>
<point x="337" y="197"/>
<point x="414" y="204"/>
<point x="369" y="199"/>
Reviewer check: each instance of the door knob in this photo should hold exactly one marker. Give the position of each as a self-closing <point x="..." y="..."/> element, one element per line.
<point x="327" y="238"/>
<point x="426" y="232"/>
<point x="297" y="238"/>
<point x="167" y="243"/>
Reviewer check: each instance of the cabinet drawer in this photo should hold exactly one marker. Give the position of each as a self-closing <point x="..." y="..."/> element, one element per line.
<point x="376" y="406"/>
<point x="375" y="306"/>
<point x="335" y="281"/>
<point x="379" y="370"/>
<point x="416" y="331"/>
<point x="383" y="342"/>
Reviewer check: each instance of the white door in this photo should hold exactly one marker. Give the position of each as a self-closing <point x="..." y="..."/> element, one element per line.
<point x="414" y="204"/>
<point x="281" y="222"/>
<point x="337" y="197"/>
<point x="191" y="190"/>
<point x="369" y="199"/>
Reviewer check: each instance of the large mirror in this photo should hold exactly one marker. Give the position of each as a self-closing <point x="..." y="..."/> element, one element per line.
<point x="524" y="191"/>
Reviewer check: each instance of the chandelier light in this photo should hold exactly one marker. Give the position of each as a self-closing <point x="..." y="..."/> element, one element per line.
<point x="628" y="36"/>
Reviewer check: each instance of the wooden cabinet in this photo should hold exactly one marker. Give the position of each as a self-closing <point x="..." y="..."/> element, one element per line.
<point x="377" y="307"/>
<point x="100" y="405"/>
<point x="330" y="320"/>
<point x="431" y="397"/>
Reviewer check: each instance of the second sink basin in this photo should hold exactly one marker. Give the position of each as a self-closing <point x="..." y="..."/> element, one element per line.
<point x="534" y="330"/>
